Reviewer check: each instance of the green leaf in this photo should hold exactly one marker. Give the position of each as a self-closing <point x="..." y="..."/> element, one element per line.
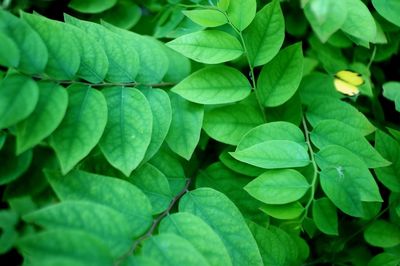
<point x="64" y="58"/>
<point x="88" y="217"/>
<point x="385" y="258"/>
<point x="18" y="98"/>
<point x="115" y="193"/>
<point x="391" y="91"/>
<point x="327" y="108"/>
<point x="359" y="21"/>
<point x="193" y="229"/>
<point x="209" y="47"/>
<point x="278" y="186"/>
<point x="272" y="131"/>
<point x="160" y="106"/>
<point x="154" y="184"/>
<point x="214" y="85"/>
<point x="315" y="85"/>
<point x="9" y="54"/>
<point x="226" y="220"/>
<point x="172" y="250"/>
<point x="280" y="78"/>
<point x="291" y="111"/>
<point x="128" y="131"/>
<point x="228" y="124"/>
<point x="152" y="57"/>
<point x="206" y="17"/>
<point x="122" y="57"/>
<point x="264" y="37"/>
<point x="325" y="16"/>
<point x="124" y="14"/>
<point x="350" y="171"/>
<point x="390" y="149"/>
<point x="49" y="111"/>
<point x="140" y="260"/>
<point x="284" y="212"/>
<point x="82" y="126"/>
<point x="241" y="12"/>
<point x="91" y="6"/>
<point x="383" y="234"/>
<point x="33" y="52"/>
<point x="325" y="216"/>
<point x="220" y="178"/>
<point x="179" y="65"/>
<point x="184" y="132"/>
<point x="8" y="235"/>
<point x="389" y="9"/>
<point x="274" y="154"/>
<point x="94" y="61"/>
<point x="64" y="247"/>
<point x="333" y="132"/>
<point x="239" y="167"/>
<point x="273" y="250"/>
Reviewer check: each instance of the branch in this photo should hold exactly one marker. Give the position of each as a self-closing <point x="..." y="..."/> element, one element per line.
<point x="156" y="222"/>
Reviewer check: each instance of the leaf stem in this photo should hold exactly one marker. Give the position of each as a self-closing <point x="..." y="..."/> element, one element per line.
<point x="154" y="225"/>
<point x="106" y="84"/>
<point x="315" y="167"/>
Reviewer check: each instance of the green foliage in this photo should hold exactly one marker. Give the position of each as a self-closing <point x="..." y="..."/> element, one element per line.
<point x="193" y="132"/>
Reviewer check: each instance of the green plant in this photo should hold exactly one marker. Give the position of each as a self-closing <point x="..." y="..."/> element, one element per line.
<point x="199" y="133"/>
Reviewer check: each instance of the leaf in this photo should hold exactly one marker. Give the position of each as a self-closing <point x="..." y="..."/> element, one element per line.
<point x="160" y="106"/>
<point x="18" y="98"/>
<point x="241" y="12"/>
<point x="122" y="58"/>
<point x="325" y="17"/>
<point x="193" y="229"/>
<point x="272" y="131"/>
<point x="91" y="6"/>
<point x="128" y="131"/>
<point x="333" y="132"/>
<point x="206" y="17"/>
<point x="209" y="47"/>
<point x="325" y="216"/>
<point x="280" y="78"/>
<point x="389" y="9"/>
<point x="33" y="52"/>
<point x="350" y="171"/>
<point x="274" y="154"/>
<point x="228" y="124"/>
<point x="315" y="85"/>
<point x="264" y="37"/>
<point x="118" y="194"/>
<point x="94" y="62"/>
<point x="64" y="247"/>
<point x="88" y="217"/>
<point x="391" y="91"/>
<point x="184" y="132"/>
<point x="239" y="167"/>
<point x="273" y="250"/>
<point x="64" y="59"/>
<point x="9" y="54"/>
<point x="152" y="57"/>
<point x="383" y="234"/>
<point x="154" y="184"/>
<point x="82" y="126"/>
<point x="123" y="14"/>
<point x="218" y="177"/>
<point x="327" y="108"/>
<point x="291" y="111"/>
<point x="284" y="212"/>
<point x="385" y="258"/>
<point x="278" y="186"/>
<point x="179" y="65"/>
<point x="8" y="235"/>
<point x="171" y="250"/>
<point x="214" y="85"/>
<point x="49" y="111"/>
<point x="359" y="21"/>
<point x="390" y="149"/>
<point x="225" y="219"/>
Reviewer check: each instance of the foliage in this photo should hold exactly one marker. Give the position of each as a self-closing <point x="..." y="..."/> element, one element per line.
<point x="190" y="132"/>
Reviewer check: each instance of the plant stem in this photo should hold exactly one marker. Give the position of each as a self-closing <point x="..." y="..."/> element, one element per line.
<point x="106" y="84"/>
<point x="315" y="167"/>
<point x="155" y="223"/>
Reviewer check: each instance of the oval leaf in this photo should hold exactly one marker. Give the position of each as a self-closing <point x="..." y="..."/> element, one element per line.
<point x="82" y="126"/>
<point x="325" y="216"/>
<point x="382" y="234"/>
<point x="206" y="17"/>
<point x="128" y="130"/>
<point x="278" y="186"/>
<point x="91" y="6"/>
<point x="389" y="9"/>
<point x="214" y="85"/>
<point x="241" y="12"/>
